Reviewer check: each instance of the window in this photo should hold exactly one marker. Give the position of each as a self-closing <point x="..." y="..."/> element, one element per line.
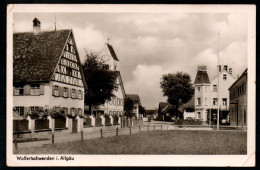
<point x="230" y="70"/>
<point x="225" y="67"/>
<point x="19" y="90"/>
<point x="33" y="108"/>
<point x="65" y="92"/>
<point x="20" y="111"/>
<point x="198" y="102"/>
<point x="215" y="87"/>
<point x="80" y="94"/>
<point x="219" y="68"/>
<point x="110" y="102"/>
<point x="224" y="101"/>
<point x="206" y="101"/>
<point x="56" y="90"/>
<point x="224" y="77"/>
<point x="79" y="111"/>
<point x="215" y="101"/>
<point x="199" y="115"/>
<point x="72" y="111"/>
<point x="73" y="93"/>
<point x="116" y="87"/>
<point x="35" y="89"/>
<point x="198" y="88"/>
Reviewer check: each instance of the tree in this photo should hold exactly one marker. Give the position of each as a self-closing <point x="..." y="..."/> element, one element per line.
<point x="99" y="79"/>
<point x="129" y="107"/>
<point x="141" y="109"/>
<point x="178" y="89"/>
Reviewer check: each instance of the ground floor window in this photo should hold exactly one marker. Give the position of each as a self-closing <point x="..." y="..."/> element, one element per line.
<point x="33" y="108"/>
<point x="20" y="111"/>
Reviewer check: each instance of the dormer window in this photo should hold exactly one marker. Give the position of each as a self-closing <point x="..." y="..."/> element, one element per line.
<point x="226" y="68"/>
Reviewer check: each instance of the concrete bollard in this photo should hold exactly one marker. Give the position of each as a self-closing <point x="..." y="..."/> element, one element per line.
<point x="116" y="131"/>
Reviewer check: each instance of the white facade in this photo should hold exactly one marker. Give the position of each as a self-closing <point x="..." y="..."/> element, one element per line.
<point x="206" y="94"/>
<point x="188" y="115"/>
<point x="116" y="104"/>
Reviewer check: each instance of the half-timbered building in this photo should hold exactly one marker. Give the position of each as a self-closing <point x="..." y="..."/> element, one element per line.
<point x="47" y="71"/>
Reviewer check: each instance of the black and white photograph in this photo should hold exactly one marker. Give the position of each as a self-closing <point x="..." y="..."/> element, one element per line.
<point x="131" y="85"/>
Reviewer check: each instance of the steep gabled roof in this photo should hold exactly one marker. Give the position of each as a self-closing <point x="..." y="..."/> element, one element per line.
<point x="36" y="56"/>
<point x="150" y="111"/>
<point x="202" y="78"/>
<point x="223" y="71"/>
<point x="189" y="104"/>
<point x="134" y="97"/>
<point x="242" y="75"/>
<point x="121" y="82"/>
<point x="112" y="52"/>
<point x="162" y="105"/>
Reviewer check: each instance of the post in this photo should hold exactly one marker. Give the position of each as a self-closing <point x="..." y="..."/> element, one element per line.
<point x="209" y="117"/>
<point x="130" y="130"/>
<point x="52" y="138"/>
<point x="103" y="120"/>
<point x="111" y="120"/>
<point x="15" y="144"/>
<point x="101" y="133"/>
<point x="139" y="128"/>
<point x="93" y="122"/>
<point x="116" y="131"/>
<point x="161" y="127"/>
<point x="81" y="135"/>
<point x="153" y="127"/>
<point x="148" y="127"/>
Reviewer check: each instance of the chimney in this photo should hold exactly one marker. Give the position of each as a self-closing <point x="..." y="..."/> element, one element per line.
<point x="36" y="26"/>
<point x="230" y="71"/>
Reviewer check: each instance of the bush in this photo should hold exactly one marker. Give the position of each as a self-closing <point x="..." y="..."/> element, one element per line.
<point x="40" y="113"/>
<point x="57" y="113"/>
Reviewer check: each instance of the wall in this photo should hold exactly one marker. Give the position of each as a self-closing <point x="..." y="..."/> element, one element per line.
<point x="28" y="100"/>
<point x="65" y="102"/>
<point x="223" y="89"/>
<point x="238" y="106"/>
<point x="188" y="114"/>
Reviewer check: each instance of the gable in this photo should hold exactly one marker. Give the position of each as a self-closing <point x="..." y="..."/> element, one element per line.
<point x="68" y="69"/>
<point x="35" y="56"/>
<point x="120" y="82"/>
<point x="229" y="76"/>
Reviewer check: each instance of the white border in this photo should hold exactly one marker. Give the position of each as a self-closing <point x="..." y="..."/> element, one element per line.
<point x="141" y="160"/>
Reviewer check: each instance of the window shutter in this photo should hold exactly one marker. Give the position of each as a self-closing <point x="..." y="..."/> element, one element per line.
<point x="53" y="90"/>
<point x="27" y="90"/>
<point x="26" y="110"/>
<point x="76" y="111"/>
<point x="41" y="89"/>
<point x="61" y="91"/>
<point x="77" y="94"/>
<point x="70" y="93"/>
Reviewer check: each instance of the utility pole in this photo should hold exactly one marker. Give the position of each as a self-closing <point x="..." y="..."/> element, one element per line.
<point x="218" y="85"/>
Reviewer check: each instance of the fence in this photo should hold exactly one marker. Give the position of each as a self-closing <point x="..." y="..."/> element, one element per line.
<point x="87" y="121"/>
<point x="41" y="124"/>
<point x="20" y="125"/>
<point x="98" y="121"/>
<point x="107" y="121"/>
<point x="60" y="123"/>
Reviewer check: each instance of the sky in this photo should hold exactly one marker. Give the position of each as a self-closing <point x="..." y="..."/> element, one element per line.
<point x="149" y="45"/>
